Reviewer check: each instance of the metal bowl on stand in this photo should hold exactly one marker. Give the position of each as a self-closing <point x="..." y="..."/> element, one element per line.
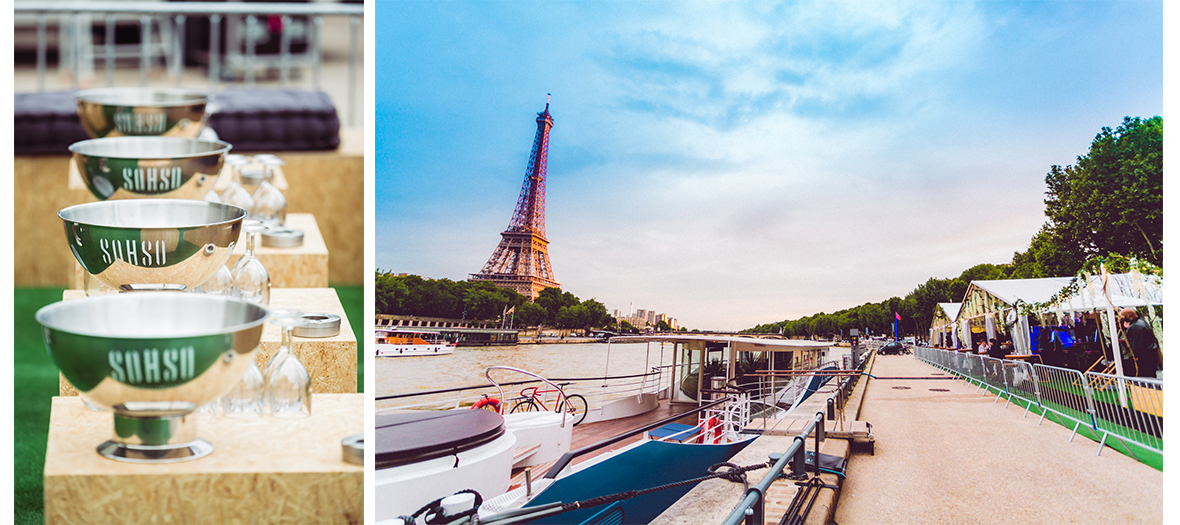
<point x="136" y="167"/>
<point x="152" y="244"/>
<point x="118" y="112"/>
<point x="152" y="359"/>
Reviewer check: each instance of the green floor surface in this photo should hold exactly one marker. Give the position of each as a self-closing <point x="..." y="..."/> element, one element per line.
<point x="35" y="384"/>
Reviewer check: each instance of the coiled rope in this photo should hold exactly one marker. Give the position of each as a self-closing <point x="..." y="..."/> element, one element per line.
<point x="432" y="510"/>
<point x="732" y="473"/>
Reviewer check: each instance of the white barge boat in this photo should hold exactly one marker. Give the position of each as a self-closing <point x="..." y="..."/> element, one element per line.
<point x="406" y="343"/>
<point x="460" y="462"/>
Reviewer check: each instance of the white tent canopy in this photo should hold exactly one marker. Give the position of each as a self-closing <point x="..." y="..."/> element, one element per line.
<point x="1124" y="290"/>
<point x="1027" y="290"/>
<point x="944" y="319"/>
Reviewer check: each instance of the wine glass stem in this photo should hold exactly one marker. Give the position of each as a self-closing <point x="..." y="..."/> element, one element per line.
<point x="250" y="244"/>
<point x="287" y="337"/>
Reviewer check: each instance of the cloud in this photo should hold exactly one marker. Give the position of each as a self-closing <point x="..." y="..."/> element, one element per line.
<point x="734" y="163"/>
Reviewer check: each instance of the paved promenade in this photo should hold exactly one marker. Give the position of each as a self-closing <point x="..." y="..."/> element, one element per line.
<point x="957" y="457"/>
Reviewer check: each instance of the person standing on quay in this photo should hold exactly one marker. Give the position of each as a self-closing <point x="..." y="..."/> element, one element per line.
<point x="1141" y="357"/>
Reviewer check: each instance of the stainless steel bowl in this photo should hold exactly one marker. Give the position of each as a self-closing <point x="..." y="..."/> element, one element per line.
<point x="138" y="167"/>
<point x="152" y="244"/>
<point x="152" y="359"/>
<point x="118" y="112"/>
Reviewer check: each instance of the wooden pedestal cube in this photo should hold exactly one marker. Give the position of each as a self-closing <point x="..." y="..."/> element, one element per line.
<point x="331" y="361"/>
<point x="303" y="266"/>
<point x="261" y="471"/>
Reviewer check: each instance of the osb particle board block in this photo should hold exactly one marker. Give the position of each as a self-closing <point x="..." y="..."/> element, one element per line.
<point x="303" y="266"/>
<point x="40" y="254"/>
<point x="331" y="361"/>
<point x="341" y="218"/>
<point x="223" y="177"/>
<point x="261" y="471"/>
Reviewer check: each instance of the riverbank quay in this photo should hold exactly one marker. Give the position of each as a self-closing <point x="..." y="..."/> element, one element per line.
<point x="947" y="452"/>
<point x="557" y="340"/>
<point x="713" y="500"/>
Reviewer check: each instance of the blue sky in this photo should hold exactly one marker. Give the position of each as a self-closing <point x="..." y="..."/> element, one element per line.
<point x="736" y="163"/>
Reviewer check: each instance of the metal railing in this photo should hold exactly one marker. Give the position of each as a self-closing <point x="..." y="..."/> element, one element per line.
<point x="752" y="508"/>
<point x="1128" y="409"/>
<point x="597" y="390"/>
<point x="244" y="21"/>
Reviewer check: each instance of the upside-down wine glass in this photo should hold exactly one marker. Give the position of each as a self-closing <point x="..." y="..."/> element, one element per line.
<point x="235" y="194"/>
<point x="94" y="286"/>
<point x="269" y="204"/>
<point x="222" y="283"/>
<point x="288" y="385"/>
<point x="247" y="399"/>
<point x="251" y="281"/>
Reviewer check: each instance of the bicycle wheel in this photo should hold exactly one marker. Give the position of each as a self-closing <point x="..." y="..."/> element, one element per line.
<point x="575" y="405"/>
<point x="525" y="405"/>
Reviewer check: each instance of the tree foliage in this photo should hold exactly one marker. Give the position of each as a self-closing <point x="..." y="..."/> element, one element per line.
<point x="916" y="309"/>
<point x="1111" y="201"/>
<point x="413" y="295"/>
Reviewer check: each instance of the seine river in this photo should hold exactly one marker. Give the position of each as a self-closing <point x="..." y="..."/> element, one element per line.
<point x="400" y="375"/>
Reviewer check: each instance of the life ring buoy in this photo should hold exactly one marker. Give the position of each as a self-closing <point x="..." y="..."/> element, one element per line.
<point x="710" y="423"/>
<point x="487" y="401"/>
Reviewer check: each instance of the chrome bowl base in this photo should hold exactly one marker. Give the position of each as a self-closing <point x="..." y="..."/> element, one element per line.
<point x="155" y="439"/>
<point x="195" y="449"/>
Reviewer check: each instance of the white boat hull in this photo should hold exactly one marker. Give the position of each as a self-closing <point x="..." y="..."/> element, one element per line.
<point x="405" y="489"/>
<point x="391" y="350"/>
<point x="545" y="429"/>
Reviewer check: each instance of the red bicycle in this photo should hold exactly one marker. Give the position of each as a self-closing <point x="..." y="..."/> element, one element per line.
<point x="574" y="404"/>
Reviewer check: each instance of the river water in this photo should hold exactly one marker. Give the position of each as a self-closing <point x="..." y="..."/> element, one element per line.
<point x="400" y="375"/>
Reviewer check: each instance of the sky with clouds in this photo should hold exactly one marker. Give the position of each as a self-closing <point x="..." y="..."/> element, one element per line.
<point x="737" y="163"/>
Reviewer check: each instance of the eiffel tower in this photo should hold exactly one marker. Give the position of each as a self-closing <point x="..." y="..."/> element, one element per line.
<point x="521" y="261"/>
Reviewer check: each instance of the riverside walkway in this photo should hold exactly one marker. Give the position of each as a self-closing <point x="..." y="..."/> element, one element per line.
<point x="956" y="456"/>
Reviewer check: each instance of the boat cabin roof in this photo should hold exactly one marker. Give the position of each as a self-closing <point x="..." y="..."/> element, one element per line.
<point x="404" y="332"/>
<point x="739" y="343"/>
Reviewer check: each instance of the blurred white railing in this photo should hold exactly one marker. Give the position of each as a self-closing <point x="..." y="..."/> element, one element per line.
<point x="246" y="26"/>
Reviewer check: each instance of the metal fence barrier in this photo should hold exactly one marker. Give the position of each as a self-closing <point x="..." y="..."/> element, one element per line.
<point x="1128" y="409"/>
<point x="244" y="22"/>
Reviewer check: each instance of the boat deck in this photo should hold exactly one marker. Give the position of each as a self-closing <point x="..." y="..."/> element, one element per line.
<point x="590" y="433"/>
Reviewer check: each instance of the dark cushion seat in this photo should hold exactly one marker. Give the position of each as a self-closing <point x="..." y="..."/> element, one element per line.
<point x="250" y="119"/>
<point x="45" y="123"/>
<point x="275" y="120"/>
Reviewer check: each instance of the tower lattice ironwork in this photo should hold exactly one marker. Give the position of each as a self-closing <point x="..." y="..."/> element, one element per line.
<point x="521" y="260"/>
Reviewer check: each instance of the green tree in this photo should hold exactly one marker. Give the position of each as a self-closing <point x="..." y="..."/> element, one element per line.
<point x="596" y="314"/>
<point x="553" y="300"/>
<point x="530" y="314"/>
<point x="1048" y="255"/>
<point x="1111" y="201"/>
<point x="389" y="293"/>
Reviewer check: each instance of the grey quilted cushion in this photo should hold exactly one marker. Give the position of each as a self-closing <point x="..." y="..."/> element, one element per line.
<point x="45" y="123"/>
<point x="250" y="119"/>
<point x="275" y="120"/>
